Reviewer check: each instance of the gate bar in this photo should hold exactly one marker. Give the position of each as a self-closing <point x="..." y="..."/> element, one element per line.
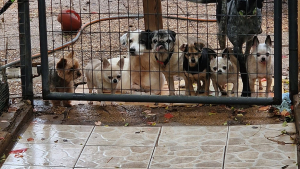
<point x="25" y="50"/>
<point x="278" y="50"/>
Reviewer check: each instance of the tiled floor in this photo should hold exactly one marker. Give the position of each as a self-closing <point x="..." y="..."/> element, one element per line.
<point x="45" y="146"/>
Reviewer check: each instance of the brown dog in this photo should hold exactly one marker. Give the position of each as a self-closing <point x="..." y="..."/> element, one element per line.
<point x="62" y="73"/>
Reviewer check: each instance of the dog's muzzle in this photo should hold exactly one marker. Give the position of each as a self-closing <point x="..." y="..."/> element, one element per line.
<point x="159" y="46"/>
<point x="219" y="71"/>
<point x="115" y="81"/>
<point x="193" y="60"/>
<point x="78" y="74"/>
<point x="132" y="50"/>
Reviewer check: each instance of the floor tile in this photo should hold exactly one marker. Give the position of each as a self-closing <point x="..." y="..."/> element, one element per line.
<point x="193" y="136"/>
<point x="31" y="167"/>
<point x="53" y="134"/>
<point x="188" y="157"/>
<point x="115" y="157"/>
<point x="263" y="156"/>
<point x="261" y="134"/>
<point x="124" y="136"/>
<point x="56" y="155"/>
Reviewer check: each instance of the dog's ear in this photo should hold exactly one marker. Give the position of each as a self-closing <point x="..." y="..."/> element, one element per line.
<point x="183" y="47"/>
<point x="259" y="3"/>
<point x="206" y="52"/>
<point x="105" y="63"/>
<point x="172" y="34"/>
<point x="121" y="63"/>
<point x="225" y="54"/>
<point x="71" y="54"/>
<point x="61" y="64"/>
<point x="146" y="35"/>
<point x="199" y="46"/>
<point x="255" y="41"/>
<point x="123" y="39"/>
<point x="268" y="41"/>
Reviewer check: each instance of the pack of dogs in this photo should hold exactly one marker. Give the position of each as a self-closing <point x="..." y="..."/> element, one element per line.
<point x="163" y="55"/>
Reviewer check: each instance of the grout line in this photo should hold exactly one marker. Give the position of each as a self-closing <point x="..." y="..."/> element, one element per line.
<point x="84" y="145"/>
<point x="225" y="148"/>
<point x="156" y="144"/>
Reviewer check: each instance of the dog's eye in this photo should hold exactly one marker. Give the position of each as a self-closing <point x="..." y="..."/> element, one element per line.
<point x="215" y="68"/>
<point x="118" y="76"/>
<point x="224" y="67"/>
<point x="110" y="77"/>
<point x="130" y="41"/>
<point x="154" y="41"/>
<point x="168" y="41"/>
<point x="267" y="54"/>
<point x="258" y="54"/>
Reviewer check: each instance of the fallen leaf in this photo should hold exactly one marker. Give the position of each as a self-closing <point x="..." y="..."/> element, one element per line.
<point x="30" y="139"/>
<point x="18" y="151"/>
<point x="284" y="113"/>
<point x="147" y="111"/>
<point x="3" y="121"/>
<point x="55" y="141"/>
<point x="123" y="112"/>
<point x="225" y="124"/>
<point x="126" y="124"/>
<point x="210" y="113"/>
<point x="264" y="108"/>
<point x="167" y="108"/>
<point x="284" y="124"/>
<point x="168" y="115"/>
<point x="98" y="123"/>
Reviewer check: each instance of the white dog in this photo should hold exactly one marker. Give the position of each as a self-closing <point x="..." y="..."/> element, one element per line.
<point x="260" y="64"/>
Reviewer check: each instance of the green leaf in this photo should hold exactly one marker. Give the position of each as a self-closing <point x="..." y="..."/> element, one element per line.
<point x="284" y="124"/>
<point x="225" y="124"/>
<point x="126" y="124"/>
<point x="210" y="113"/>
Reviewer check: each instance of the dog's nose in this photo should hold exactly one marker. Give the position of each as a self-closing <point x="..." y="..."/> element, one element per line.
<point x="193" y="60"/>
<point x="263" y="59"/>
<point x="132" y="50"/>
<point x="220" y="71"/>
<point x="78" y="73"/>
<point x="115" y="81"/>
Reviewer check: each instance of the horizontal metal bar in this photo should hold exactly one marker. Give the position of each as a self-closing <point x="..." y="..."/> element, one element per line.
<point x="161" y="99"/>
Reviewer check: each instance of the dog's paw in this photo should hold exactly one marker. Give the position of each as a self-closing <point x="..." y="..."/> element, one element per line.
<point x="114" y="104"/>
<point x="102" y="103"/>
<point x="90" y="102"/>
<point x="260" y="88"/>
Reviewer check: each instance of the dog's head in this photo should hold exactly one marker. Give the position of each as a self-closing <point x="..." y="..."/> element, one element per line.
<point x="137" y="40"/>
<point x="261" y="51"/>
<point x="222" y="64"/>
<point x="247" y="7"/>
<point x="163" y="40"/>
<point x="192" y="52"/>
<point x="68" y="68"/>
<point x="111" y="73"/>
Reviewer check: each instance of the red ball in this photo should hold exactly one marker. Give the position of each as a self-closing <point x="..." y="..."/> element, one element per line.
<point x="70" y="20"/>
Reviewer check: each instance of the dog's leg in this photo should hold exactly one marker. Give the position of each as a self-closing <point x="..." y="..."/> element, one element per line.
<point x="67" y="103"/>
<point x="235" y="88"/>
<point x="269" y="82"/>
<point x="215" y="85"/>
<point x="99" y="91"/>
<point x="260" y="84"/>
<point x="190" y="91"/>
<point x="170" y="81"/>
<point x="207" y="84"/>
<point x="245" y="79"/>
<point x="252" y="89"/>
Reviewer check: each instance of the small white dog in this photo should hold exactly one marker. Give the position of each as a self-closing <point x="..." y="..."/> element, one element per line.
<point x="260" y="64"/>
<point x="224" y="70"/>
<point x="103" y="75"/>
<point x="140" y="74"/>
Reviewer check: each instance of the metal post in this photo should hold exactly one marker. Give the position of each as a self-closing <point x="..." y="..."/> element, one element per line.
<point x="43" y="47"/>
<point x="293" y="48"/>
<point x="25" y="50"/>
<point x="278" y="50"/>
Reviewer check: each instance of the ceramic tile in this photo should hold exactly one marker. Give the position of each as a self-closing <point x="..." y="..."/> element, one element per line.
<point x="115" y="157"/>
<point x="188" y="157"/>
<point x="193" y="136"/>
<point x="263" y="156"/>
<point x="124" y="136"/>
<point x="53" y="134"/>
<point x="56" y="155"/>
<point x="260" y="134"/>
<point x="30" y="167"/>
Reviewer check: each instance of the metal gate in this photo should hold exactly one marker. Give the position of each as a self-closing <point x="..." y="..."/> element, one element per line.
<point x="48" y="47"/>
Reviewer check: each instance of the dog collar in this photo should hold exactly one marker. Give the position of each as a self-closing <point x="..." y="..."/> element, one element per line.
<point x="166" y="61"/>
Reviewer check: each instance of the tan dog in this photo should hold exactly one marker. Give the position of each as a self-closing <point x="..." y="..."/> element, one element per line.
<point x="62" y="73"/>
<point x="139" y="75"/>
<point x="169" y="59"/>
<point x="195" y="66"/>
<point x="224" y="70"/>
<point x="103" y="75"/>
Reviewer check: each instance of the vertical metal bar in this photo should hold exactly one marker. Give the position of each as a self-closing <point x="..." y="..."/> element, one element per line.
<point x="278" y="50"/>
<point x="293" y="48"/>
<point x="43" y="47"/>
<point x="25" y="50"/>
